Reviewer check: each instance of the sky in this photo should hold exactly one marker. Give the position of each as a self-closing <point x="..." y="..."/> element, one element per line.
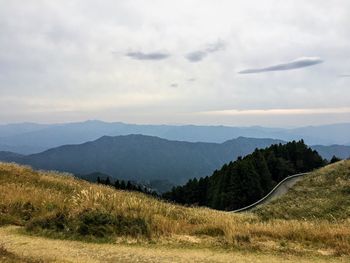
<point x="239" y="63"/>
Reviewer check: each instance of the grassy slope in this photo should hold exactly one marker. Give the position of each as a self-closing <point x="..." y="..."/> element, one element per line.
<point x="61" y="206"/>
<point x="324" y="194"/>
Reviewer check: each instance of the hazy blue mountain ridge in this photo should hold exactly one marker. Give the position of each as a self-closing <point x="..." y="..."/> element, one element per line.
<point x="34" y="138"/>
<point x="151" y="159"/>
<point x="141" y="158"/>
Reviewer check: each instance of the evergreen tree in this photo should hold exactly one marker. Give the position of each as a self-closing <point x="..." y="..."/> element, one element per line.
<point x="260" y="165"/>
<point x="335" y="159"/>
<point x="117" y="184"/>
<point x="108" y="181"/>
<point x="122" y="185"/>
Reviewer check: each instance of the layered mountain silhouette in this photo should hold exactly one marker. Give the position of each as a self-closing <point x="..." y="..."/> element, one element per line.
<point x="141" y="158"/>
<point x="340" y="151"/>
<point x="147" y="158"/>
<point x="27" y="138"/>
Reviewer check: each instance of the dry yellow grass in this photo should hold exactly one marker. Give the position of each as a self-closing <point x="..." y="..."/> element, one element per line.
<point x="39" y="249"/>
<point x="322" y="194"/>
<point x="28" y="196"/>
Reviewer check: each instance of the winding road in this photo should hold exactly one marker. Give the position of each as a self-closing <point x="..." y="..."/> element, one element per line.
<point x="280" y="189"/>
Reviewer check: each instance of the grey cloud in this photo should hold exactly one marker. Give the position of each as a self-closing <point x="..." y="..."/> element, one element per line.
<point x="295" y="64"/>
<point x="219" y="45"/>
<point x="174" y="85"/>
<point x="147" y="56"/>
<point x="198" y="55"/>
<point x="344" y="76"/>
<point x="191" y="80"/>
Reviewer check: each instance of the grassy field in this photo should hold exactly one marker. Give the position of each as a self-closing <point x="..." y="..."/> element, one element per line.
<point x="311" y="223"/>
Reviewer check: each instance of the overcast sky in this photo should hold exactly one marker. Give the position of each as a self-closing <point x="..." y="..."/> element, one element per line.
<point x="178" y="61"/>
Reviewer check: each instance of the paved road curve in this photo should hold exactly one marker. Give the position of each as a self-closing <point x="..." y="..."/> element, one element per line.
<point x="279" y="190"/>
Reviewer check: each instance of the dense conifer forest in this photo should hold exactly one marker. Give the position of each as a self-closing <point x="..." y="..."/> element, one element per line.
<point x="247" y="179"/>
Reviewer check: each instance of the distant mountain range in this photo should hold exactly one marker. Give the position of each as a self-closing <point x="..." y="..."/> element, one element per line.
<point x="27" y="138"/>
<point x="141" y="158"/>
<point x="340" y="151"/>
<point x="147" y="158"/>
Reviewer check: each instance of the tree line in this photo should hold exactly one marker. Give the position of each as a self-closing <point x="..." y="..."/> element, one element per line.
<point x="246" y="180"/>
<point x="126" y="185"/>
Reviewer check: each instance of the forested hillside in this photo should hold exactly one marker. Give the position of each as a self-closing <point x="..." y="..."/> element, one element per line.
<point x="246" y="180"/>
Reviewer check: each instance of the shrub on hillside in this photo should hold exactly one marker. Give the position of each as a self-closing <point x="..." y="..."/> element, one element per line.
<point x="90" y="223"/>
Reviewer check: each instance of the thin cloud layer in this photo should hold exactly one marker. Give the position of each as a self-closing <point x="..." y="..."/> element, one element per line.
<point x="344" y="76"/>
<point x="147" y="56"/>
<point x="295" y="64"/>
<point x="198" y="55"/>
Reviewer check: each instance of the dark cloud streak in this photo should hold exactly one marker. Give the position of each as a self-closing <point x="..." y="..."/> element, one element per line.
<point x="147" y="56"/>
<point x="295" y="64"/>
<point x="198" y="55"/>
